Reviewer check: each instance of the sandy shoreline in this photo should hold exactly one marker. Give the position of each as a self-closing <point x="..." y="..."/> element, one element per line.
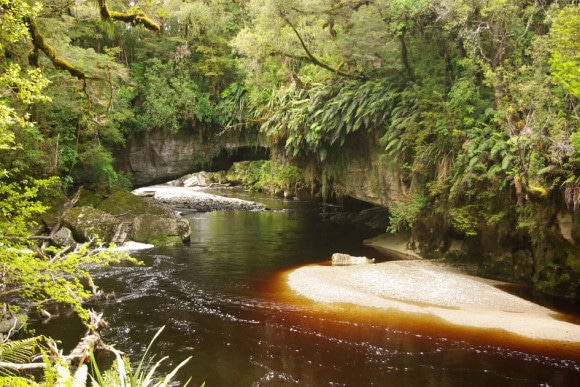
<point x="422" y="287"/>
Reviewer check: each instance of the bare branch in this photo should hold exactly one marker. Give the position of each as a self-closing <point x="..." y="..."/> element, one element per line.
<point x="22" y="367"/>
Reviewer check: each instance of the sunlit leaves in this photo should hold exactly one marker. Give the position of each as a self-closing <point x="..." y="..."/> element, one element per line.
<point x="17" y="88"/>
<point x="18" y="207"/>
<point x="565" y="61"/>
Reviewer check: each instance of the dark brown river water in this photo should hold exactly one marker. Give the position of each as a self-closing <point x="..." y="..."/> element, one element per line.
<point x="223" y="301"/>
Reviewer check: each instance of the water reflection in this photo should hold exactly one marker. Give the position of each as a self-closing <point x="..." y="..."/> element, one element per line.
<point x="222" y="301"/>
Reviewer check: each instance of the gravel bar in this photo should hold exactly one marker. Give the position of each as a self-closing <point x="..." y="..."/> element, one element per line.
<point x="191" y="199"/>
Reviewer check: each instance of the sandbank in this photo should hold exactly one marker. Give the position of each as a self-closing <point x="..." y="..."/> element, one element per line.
<point x="423" y="287"/>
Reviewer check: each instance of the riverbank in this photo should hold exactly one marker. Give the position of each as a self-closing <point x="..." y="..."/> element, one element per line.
<point x="426" y="288"/>
<point x="194" y="200"/>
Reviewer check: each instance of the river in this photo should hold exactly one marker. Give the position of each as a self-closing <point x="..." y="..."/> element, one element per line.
<point x="223" y="301"/>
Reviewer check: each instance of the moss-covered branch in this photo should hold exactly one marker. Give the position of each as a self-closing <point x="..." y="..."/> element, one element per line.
<point x="49" y="51"/>
<point x="134" y="17"/>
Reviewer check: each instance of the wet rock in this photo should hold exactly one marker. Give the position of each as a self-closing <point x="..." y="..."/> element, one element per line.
<point x="158" y="230"/>
<point x="339" y="259"/>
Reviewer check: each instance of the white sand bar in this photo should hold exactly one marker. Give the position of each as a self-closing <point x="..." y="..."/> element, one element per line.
<point x="422" y="287"/>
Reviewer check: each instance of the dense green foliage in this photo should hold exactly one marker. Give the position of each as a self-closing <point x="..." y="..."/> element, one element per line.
<point x="268" y="176"/>
<point x="34" y="272"/>
<point x="465" y="96"/>
<point x="472" y="100"/>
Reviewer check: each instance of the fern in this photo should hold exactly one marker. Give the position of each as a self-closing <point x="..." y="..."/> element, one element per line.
<point x="19" y="351"/>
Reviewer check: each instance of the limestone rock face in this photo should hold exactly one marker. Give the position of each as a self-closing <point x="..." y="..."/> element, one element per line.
<point x="339" y="259"/>
<point x="158" y="156"/>
<point x="364" y="177"/>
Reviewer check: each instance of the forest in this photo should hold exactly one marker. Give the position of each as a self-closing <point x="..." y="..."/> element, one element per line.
<point x="474" y="104"/>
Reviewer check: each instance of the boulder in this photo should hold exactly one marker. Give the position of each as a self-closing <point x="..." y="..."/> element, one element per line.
<point x="144" y="221"/>
<point x="63" y="238"/>
<point x="339" y="259"/>
<point x="128" y="205"/>
<point x="87" y="223"/>
<point x="158" y="230"/>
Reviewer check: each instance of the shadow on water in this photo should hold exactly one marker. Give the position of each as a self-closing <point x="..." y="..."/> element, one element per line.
<point x="223" y="300"/>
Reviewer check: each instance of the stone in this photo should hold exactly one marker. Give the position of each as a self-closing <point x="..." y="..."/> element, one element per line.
<point x="144" y="221"/>
<point x="63" y="238"/>
<point x="158" y="230"/>
<point x="88" y="224"/>
<point x="566" y="223"/>
<point x="339" y="259"/>
<point x="157" y="156"/>
<point x="127" y="205"/>
<point x="197" y="180"/>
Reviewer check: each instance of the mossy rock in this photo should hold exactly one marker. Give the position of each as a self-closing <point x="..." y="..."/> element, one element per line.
<point x="129" y="205"/>
<point x="9" y="323"/>
<point x="89" y="198"/>
<point x="87" y="223"/>
<point x="149" y="228"/>
<point x="55" y="204"/>
<point x="576" y="226"/>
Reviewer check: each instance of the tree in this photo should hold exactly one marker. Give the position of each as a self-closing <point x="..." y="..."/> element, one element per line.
<point x="565" y="62"/>
<point x="18" y="89"/>
<point x="36" y="274"/>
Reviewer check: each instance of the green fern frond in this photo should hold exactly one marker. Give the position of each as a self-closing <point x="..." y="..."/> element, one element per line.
<point x="19" y="351"/>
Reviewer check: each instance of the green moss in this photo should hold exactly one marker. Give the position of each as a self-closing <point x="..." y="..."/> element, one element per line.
<point x="168" y="240"/>
<point x="126" y="203"/>
<point x="87" y="223"/>
<point x="89" y="199"/>
<point x="160" y="231"/>
<point x="573" y="261"/>
<point x="55" y="204"/>
<point x="536" y="193"/>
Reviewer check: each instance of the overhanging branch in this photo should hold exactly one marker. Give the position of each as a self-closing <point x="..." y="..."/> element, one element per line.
<point x="49" y="51"/>
<point x="39" y="45"/>
<point x="312" y="59"/>
<point x="134" y="17"/>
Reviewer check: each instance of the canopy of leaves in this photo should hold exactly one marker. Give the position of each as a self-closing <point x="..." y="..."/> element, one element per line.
<point x="565" y="61"/>
<point x="459" y="92"/>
